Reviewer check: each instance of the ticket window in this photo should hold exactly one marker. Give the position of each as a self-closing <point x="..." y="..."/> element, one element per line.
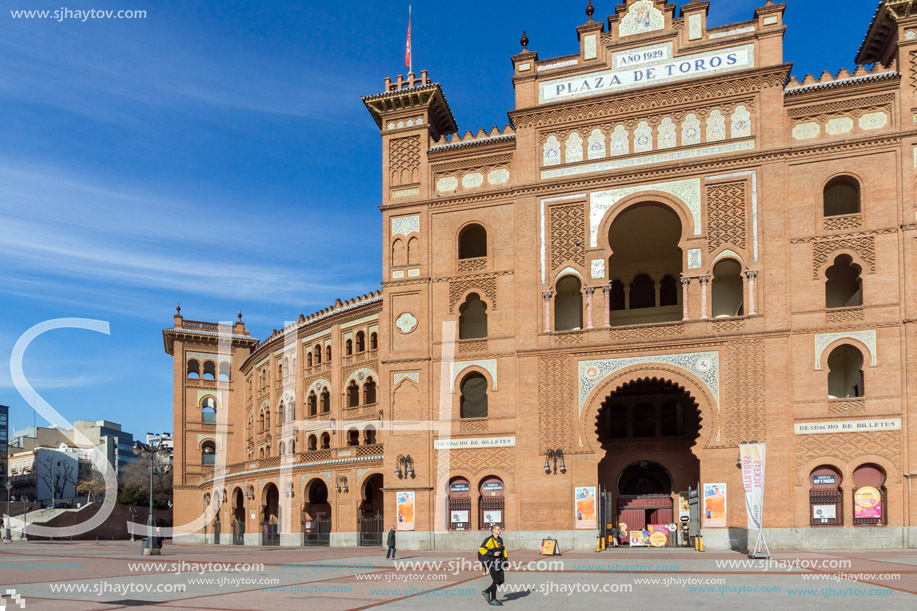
<point x="491" y="508"/>
<point x="826" y="500"/>
<point x="869" y="496"/>
<point x="458" y="504"/>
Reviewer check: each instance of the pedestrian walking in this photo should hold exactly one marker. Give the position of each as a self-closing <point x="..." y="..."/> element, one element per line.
<point x="391" y="543"/>
<point x="615" y="533"/>
<point x="493" y="555"/>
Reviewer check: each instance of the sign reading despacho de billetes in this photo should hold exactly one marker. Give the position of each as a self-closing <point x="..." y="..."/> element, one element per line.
<point x="463" y="443"/>
<point x="847" y="426"/>
<point x="644" y="67"/>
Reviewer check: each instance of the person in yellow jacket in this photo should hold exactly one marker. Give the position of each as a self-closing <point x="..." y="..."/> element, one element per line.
<point x="494" y="556"/>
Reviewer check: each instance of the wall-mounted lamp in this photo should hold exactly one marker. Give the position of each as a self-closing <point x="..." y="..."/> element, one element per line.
<point x="289" y="490"/>
<point x="404" y="466"/>
<point x="250" y="493"/>
<point x="341" y="484"/>
<point x="554" y="455"/>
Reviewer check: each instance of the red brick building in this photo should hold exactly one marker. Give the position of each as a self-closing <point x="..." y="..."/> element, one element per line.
<point x="674" y="248"/>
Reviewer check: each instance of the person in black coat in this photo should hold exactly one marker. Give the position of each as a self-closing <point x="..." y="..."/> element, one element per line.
<point x="494" y="556"/>
<point x="391" y="543"/>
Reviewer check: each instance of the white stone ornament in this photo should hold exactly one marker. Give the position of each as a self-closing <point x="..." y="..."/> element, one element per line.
<point x="406" y="322"/>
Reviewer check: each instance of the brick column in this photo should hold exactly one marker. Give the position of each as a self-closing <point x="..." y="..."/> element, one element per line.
<point x="752" y="275"/>
<point x="589" y="291"/>
<point x="607" y="290"/>
<point x="704" y="281"/>
<point x="547" y="309"/>
<point x="685" y="283"/>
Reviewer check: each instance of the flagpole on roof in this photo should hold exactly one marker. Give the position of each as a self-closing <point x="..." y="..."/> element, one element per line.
<point x="410" y="46"/>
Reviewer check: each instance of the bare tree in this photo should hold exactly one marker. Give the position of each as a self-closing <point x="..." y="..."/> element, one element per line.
<point x="91" y="484"/>
<point x="57" y="474"/>
<point x="137" y="474"/>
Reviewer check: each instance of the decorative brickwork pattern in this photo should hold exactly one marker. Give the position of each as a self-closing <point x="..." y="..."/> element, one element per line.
<point x="468" y="346"/>
<point x="484" y="284"/>
<point x="404" y="161"/>
<point x="726" y="216"/>
<point x="479" y="461"/>
<point x="847" y="222"/>
<point x="843" y="316"/>
<point x="846" y="407"/>
<point x="556" y="403"/>
<point x="848" y="446"/>
<point x="566" y="339"/>
<point x="473" y="425"/>
<point x="865" y="246"/>
<point x="744" y="406"/>
<point x="472" y="265"/>
<point x="634" y="334"/>
<point x="568" y="235"/>
<point x="728" y="326"/>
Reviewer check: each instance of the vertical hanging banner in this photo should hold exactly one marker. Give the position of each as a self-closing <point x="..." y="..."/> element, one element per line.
<point x="405" y="507"/>
<point x="752" y="457"/>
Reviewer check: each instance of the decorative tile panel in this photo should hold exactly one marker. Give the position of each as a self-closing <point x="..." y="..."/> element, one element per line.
<point x="643" y="138"/>
<point x="602" y="201"/>
<point x="741" y="123"/>
<point x="406" y="322"/>
<point x="447" y="183"/>
<point x="690" y="130"/>
<point x="472" y="180"/>
<point x="498" y="177"/>
<point x="695" y="258"/>
<point x="642" y="17"/>
<point x="488" y="365"/>
<point x="551" y="151"/>
<point x="667" y="137"/>
<point x="716" y="126"/>
<point x="702" y="365"/>
<point x="873" y="120"/>
<point x="695" y="27"/>
<point x="597" y="269"/>
<point x="573" y="148"/>
<point x="596" y="144"/>
<point x="842" y="125"/>
<point x="822" y="340"/>
<point x="413" y="375"/>
<point x="589" y="46"/>
<point x="620" y="141"/>
<point x="360" y="375"/>
<point x="404" y="225"/>
<point x="806" y="131"/>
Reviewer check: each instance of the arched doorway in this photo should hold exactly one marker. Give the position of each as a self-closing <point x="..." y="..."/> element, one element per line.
<point x="458" y="504"/>
<point x="270" y="516"/>
<point x="647" y="428"/>
<point x="371" y="520"/>
<point x="316" y="514"/>
<point x="238" y="517"/>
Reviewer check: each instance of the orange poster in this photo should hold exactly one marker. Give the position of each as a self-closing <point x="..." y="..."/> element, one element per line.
<point x="405" y="511"/>
<point x="714" y="505"/>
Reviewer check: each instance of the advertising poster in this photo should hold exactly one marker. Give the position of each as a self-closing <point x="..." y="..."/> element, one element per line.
<point x="714" y="505"/>
<point x="824" y="512"/>
<point x="493" y="517"/>
<point x="548" y="547"/>
<point x="405" y="510"/>
<point x="639" y="538"/>
<point x="751" y="456"/>
<point x="460" y="517"/>
<point x="584" y="500"/>
<point x="867" y="503"/>
<point x="684" y="510"/>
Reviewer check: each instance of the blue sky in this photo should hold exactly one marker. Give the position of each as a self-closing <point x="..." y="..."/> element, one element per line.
<point x="218" y="155"/>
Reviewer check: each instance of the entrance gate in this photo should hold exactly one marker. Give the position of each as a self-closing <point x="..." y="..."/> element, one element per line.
<point x="694" y="509"/>
<point x="316" y="532"/>
<point x="270" y="534"/>
<point x="217" y="528"/>
<point x="238" y="533"/>
<point x="370" y="530"/>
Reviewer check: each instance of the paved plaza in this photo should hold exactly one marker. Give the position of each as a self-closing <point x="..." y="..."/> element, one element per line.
<point x="83" y="576"/>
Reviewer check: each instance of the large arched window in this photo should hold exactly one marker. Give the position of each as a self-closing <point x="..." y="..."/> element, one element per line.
<point x="568" y="304"/>
<point x="312" y="444"/>
<point x="473" y="402"/>
<point x="326" y="401"/>
<point x="210" y="370"/>
<point x="208" y="410"/>
<point x="473" y="318"/>
<point x="208" y="453"/>
<point x="845" y="372"/>
<point x="369" y="391"/>
<point x="413" y="251"/>
<point x="399" y="256"/>
<point x="353" y="437"/>
<point x="842" y="196"/>
<point x="361" y="341"/>
<point x="353" y="394"/>
<point x="618" y="301"/>
<point x="328" y="353"/>
<point x="472" y="242"/>
<point x="318" y="354"/>
<point x="194" y="369"/>
<point x="224" y="372"/>
<point x="728" y="296"/>
<point x="348" y="349"/>
<point x="373" y="341"/>
<point x="313" y="404"/>
<point x="326" y="441"/>
<point x="668" y="291"/>
<point x="843" y="287"/>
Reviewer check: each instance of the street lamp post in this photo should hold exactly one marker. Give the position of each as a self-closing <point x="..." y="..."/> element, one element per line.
<point x="144" y="450"/>
<point x="6" y="523"/>
<point x="132" y="522"/>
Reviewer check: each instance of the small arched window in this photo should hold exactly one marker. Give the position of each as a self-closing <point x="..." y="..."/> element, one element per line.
<point x="473" y="318"/>
<point x="353" y="437"/>
<point x="668" y="291"/>
<point x="473" y="402"/>
<point x="283" y="448"/>
<point x="261" y="422"/>
<point x="267" y="418"/>
<point x="844" y="286"/>
<point x="369" y="391"/>
<point x="308" y="359"/>
<point x="208" y="410"/>
<point x="728" y="299"/>
<point x="313" y="443"/>
<point x="348" y="347"/>
<point x="842" y="196"/>
<point x="642" y="292"/>
<point x="353" y="394"/>
<point x="208" y="453"/>
<point x="373" y="341"/>
<point x="618" y="300"/>
<point x="210" y="370"/>
<point x="261" y="453"/>
<point x="318" y="355"/>
<point x="328" y="353"/>
<point x="845" y="373"/>
<point x="282" y="412"/>
<point x="369" y="435"/>
<point x="399" y="256"/>
<point x="194" y="369"/>
<point x="313" y="404"/>
<point x="326" y="401"/>
<point x="413" y="251"/>
<point x="472" y="242"/>
<point x="361" y="341"/>
<point x="326" y="441"/>
<point x="568" y="305"/>
<point x="293" y="445"/>
<point x="224" y="372"/>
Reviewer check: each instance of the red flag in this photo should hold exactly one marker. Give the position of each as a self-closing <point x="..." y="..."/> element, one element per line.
<point x="407" y="49"/>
